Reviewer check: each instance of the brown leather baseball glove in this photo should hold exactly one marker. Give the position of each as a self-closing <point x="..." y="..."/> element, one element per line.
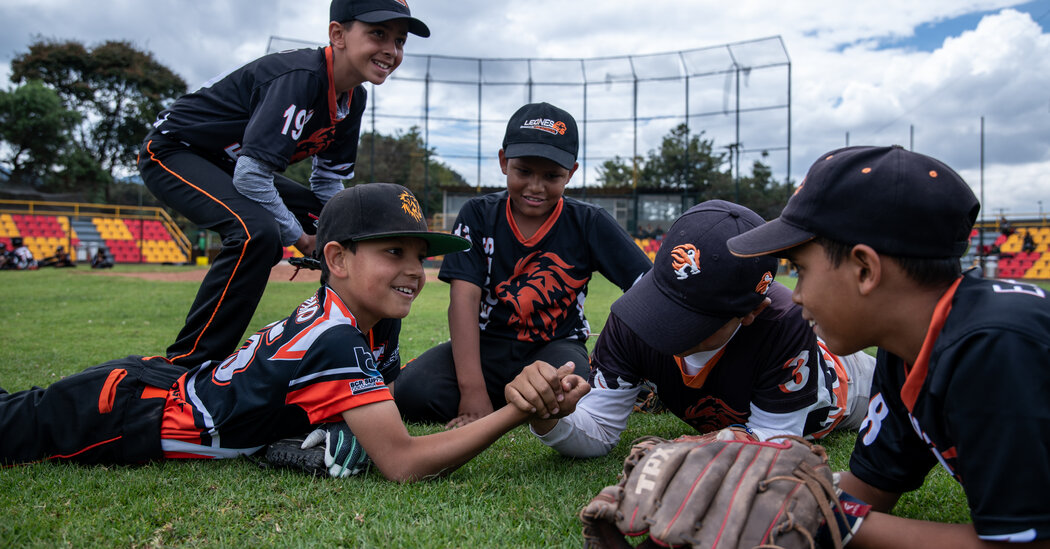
<point x="716" y="494"/>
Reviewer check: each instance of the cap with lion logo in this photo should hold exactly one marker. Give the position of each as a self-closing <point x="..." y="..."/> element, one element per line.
<point x="380" y="210"/>
<point x="541" y="129"/>
<point x="696" y="286"/>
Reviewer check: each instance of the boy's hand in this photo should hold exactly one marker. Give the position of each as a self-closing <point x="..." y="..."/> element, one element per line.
<point x="471" y="409"/>
<point x="545" y="392"/>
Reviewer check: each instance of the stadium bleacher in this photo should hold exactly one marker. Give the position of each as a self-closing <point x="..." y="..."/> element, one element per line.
<point x="128" y="240"/>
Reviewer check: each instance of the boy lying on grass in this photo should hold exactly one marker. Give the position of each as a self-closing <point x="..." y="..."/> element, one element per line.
<point x="328" y="364"/>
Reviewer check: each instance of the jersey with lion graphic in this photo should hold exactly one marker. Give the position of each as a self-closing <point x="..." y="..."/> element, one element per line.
<point x="534" y="289"/>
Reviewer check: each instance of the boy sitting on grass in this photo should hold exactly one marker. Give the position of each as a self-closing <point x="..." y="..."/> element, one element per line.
<point x="518" y="295"/>
<point x="962" y="374"/>
<point x="329" y="363"/>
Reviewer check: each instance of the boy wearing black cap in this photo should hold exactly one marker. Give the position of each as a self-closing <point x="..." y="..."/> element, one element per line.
<point x="215" y="154"/>
<point x="330" y="362"/>
<point x="719" y="341"/>
<point x="876" y="234"/>
<point x="518" y="295"/>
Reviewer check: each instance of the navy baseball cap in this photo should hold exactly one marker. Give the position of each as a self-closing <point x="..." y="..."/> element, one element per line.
<point x="541" y="129"/>
<point x="376" y="11"/>
<point x="696" y="286"/>
<point x="380" y="210"/>
<point x="898" y="202"/>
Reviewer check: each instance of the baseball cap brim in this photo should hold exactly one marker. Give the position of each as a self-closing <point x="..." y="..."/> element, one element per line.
<point x="437" y="243"/>
<point x="646" y="310"/>
<point x="519" y="150"/>
<point x="770" y="239"/>
<point x="415" y="26"/>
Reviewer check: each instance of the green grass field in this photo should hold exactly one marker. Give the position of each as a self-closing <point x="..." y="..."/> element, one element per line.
<point x="517" y="493"/>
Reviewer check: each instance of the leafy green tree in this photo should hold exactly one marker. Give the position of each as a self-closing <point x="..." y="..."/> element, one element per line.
<point x="688" y="162"/>
<point x="761" y="193"/>
<point x="116" y="88"/>
<point x="35" y="127"/>
<point x="618" y="172"/>
<point x="683" y="161"/>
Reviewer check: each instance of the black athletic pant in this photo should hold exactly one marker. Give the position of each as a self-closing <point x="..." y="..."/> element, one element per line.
<point x="427" y="388"/>
<point x="203" y="192"/>
<point x="106" y="414"/>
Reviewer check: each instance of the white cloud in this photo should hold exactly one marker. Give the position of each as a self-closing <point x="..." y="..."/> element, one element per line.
<point x="855" y="68"/>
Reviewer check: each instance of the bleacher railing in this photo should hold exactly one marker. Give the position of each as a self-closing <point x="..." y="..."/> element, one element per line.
<point x="88" y="210"/>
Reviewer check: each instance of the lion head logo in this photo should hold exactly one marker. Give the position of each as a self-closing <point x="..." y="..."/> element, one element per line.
<point x="685" y="260"/>
<point x="559" y="127"/>
<point x="541" y="292"/>
<point x="410" y="206"/>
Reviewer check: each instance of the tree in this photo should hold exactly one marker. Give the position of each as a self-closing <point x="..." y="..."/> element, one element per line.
<point x="761" y="193"/>
<point x="683" y="161"/>
<point x="688" y="162"/>
<point x="116" y="88"/>
<point x="36" y="128"/>
<point x="397" y="159"/>
<point x="618" y="173"/>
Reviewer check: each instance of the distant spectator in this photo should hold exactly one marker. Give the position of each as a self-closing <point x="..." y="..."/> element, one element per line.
<point x="1029" y="243"/>
<point x="5" y="257"/>
<point x="1005" y="227"/>
<point x="658" y="233"/>
<point x="60" y="259"/>
<point x="101" y="260"/>
<point x="23" y="258"/>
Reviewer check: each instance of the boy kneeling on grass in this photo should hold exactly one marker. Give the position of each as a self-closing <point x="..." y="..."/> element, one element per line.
<point x="328" y="364"/>
<point x="962" y="374"/>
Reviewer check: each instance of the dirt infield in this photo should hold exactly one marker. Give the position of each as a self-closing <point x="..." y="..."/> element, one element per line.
<point x="281" y="272"/>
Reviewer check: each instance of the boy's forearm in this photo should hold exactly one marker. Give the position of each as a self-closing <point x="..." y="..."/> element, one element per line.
<point x="883" y="531"/>
<point x="442" y="453"/>
<point x="465" y="336"/>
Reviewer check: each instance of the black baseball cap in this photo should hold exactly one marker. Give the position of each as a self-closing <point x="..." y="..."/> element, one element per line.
<point x="541" y="129"/>
<point x="696" y="285"/>
<point x="899" y="202"/>
<point x="380" y="210"/>
<point x="376" y="11"/>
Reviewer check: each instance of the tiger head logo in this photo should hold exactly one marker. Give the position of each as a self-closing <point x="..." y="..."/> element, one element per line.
<point x="763" y="285"/>
<point x="711" y="413"/>
<point x="541" y="292"/>
<point x="410" y="206"/>
<point x="685" y="260"/>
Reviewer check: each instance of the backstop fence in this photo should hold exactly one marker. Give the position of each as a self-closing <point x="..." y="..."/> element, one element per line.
<point x="737" y="94"/>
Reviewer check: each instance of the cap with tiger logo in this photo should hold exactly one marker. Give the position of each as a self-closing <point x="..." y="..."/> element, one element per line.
<point x="696" y="286"/>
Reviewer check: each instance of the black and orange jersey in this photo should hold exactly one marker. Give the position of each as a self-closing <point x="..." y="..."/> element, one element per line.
<point x="975" y="401"/>
<point x="292" y="374"/>
<point x="533" y="289"/>
<point x="280" y="109"/>
<point x="775" y="365"/>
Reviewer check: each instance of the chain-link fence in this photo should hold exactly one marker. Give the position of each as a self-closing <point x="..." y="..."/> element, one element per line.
<point x="738" y="94"/>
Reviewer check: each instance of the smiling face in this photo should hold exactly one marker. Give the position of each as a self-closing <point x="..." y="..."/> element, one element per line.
<point x="534" y="184"/>
<point x="381" y="279"/>
<point x="829" y="296"/>
<point x="366" y="52"/>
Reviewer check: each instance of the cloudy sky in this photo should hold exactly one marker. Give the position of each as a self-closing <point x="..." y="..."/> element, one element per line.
<point x="870" y="72"/>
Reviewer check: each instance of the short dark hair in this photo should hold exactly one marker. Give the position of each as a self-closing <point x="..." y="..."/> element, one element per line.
<point x="926" y="272"/>
<point x="348" y="244"/>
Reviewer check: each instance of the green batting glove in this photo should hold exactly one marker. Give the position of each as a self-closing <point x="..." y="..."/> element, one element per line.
<point x="343" y="454"/>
